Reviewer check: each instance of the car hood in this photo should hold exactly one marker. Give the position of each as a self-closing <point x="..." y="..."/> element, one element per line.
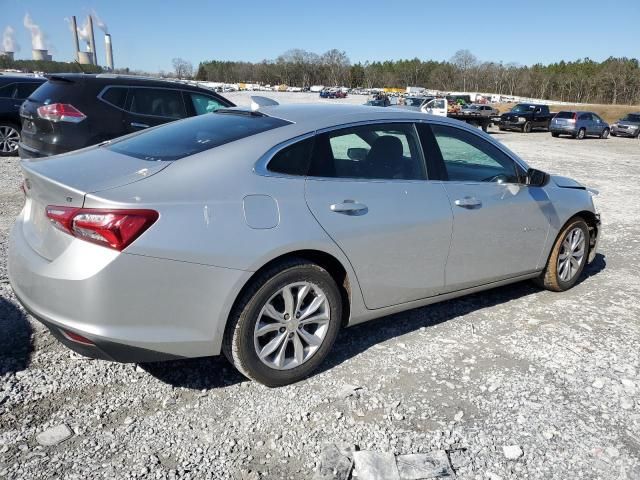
<point x="566" y="182"/>
<point x="514" y="114"/>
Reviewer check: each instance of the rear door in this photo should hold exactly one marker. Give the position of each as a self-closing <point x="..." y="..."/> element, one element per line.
<point x="368" y="189"/>
<point x="499" y="225"/>
<point x="149" y="106"/>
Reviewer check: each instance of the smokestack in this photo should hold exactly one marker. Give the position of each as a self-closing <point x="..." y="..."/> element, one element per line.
<point x="109" y="50"/>
<point x="85" y="58"/>
<point x="76" y="43"/>
<point x="92" y="41"/>
<point x="39" y="54"/>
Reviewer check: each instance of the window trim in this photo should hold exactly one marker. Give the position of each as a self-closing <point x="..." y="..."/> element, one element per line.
<point x="260" y="167"/>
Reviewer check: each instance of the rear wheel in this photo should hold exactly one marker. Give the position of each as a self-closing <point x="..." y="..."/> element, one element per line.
<point x="555" y="134"/>
<point x="568" y="257"/>
<point x="526" y="128"/>
<point x="502" y="129"/>
<point x="605" y="133"/>
<point x="9" y="139"/>
<point x="581" y="134"/>
<point x="285" y="324"/>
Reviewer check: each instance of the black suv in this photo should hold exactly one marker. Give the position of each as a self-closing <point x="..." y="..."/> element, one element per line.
<point x="73" y="111"/>
<point x="524" y="117"/>
<point x="13" y="91"/>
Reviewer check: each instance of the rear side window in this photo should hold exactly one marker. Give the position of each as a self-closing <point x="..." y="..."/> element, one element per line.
<point x="116" y="96"/>
<point x="54" y="91"/>
<point x="565" y="115"/>
<point x="25" y="89"/>
<point x="294" y="159"/>
<point x="203" y="103"/>
<point x="194" y="135"/>
<point x="8" y="91"/>
<point x="157" y="102"/>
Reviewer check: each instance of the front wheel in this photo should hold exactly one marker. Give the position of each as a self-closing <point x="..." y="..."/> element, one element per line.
<point x="9" y="139"/>
<point x="568" y="257"/>
<point x="605" y="133"/>
<point x="284" y="324"/>
<point x="526" y="128"/>
<point x="581" y="134"/>
<point x="555" y="134"/>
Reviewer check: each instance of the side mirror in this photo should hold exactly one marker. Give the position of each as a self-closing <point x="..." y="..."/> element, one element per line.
<point x="536" y="178"/>
<point x="357" y="154"/>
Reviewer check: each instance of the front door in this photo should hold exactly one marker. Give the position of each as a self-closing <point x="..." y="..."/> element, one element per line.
<point x="367" y="188"/>
<point x="499" y="225"/>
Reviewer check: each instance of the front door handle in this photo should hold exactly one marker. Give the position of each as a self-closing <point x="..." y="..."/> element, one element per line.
<point x="468" y="202"/>
<point x="349" y="207"/>
<point x="139" y="125"/>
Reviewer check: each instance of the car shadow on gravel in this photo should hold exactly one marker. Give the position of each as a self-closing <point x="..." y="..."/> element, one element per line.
<point x="195" y="373"/>
<point x="216" y="372"/>
<point x="359" y="338"/>
<point x="15" y="340"/>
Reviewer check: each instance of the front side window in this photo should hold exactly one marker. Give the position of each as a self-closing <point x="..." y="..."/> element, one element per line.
<point x="204" y="103"/>
<point x="469" y="158"/>
<point x="383" y="151"/>
<point x="157" y="102"/>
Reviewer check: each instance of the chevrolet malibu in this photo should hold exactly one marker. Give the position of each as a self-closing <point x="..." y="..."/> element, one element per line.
<point x="260" y="233"/>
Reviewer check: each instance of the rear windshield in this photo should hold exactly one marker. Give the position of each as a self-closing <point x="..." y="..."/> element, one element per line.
<point x="180" y="139"/>
<point x="52" y="91"/>
<point x="565" y="115"/>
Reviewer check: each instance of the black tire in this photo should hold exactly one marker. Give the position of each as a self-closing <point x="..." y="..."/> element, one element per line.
<point x="605" y="134"/>
<point x="502" y="129"/>
<point x="637" y="134"/>
<point x="485" y="127"/>
<point x="238" y="343"/>
<point x="582" y="134"/>
<point x="550" y="277"/>
<point x="555" y="134"/>
<point x="8" y="133"/>
<point x="614" y="134"/>
<point x="526" y="128"/>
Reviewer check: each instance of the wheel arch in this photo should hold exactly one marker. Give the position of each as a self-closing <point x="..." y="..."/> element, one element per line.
<point x="330" y="263"/>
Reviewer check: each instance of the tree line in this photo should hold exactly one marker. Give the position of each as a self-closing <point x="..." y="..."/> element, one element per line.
<point x="612" y="81"/>
<point x="47" y="66"/>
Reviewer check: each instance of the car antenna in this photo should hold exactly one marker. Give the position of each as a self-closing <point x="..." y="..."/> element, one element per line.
<point x="257" y="102"/>
<point x="79" y="66"/>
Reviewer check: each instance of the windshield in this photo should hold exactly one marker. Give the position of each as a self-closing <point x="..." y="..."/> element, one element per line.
<point x="180" y="139"/>
<point x="413" y="102"/>
<point x="522" y="108"/>
<point x="632" y="117"/>
<point x="472" y="107"/>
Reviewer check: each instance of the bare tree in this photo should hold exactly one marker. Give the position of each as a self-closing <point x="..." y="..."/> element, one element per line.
<point x="337" y="64"/>
<point x="182" y="68"/>
<point x="464" y="60"/>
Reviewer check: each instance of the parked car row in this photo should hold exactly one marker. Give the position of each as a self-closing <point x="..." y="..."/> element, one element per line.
<point x="333" y="93"/>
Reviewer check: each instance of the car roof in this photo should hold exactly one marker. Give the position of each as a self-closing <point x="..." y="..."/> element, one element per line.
<point x="116" y="79"/>
<point x="317" y="116"/>
<point x="21" y="78"/>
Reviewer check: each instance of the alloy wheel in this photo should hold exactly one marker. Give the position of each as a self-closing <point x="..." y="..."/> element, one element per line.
<point x="571" y="255"/>
<point x="9" y="138"/>
<point x="292" y="326"/>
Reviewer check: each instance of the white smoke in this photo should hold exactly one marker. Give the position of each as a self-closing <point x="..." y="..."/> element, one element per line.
<point x="83" y="32"/>
<point x="9" y="43"/>
<point x="99" y="22"/>
<point x="38" y="39"/>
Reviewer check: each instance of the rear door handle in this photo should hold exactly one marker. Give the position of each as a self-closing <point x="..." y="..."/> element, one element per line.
<point x="468" y="202"/>
<point x="350" y="207"/>
<point x="139" y="125"/>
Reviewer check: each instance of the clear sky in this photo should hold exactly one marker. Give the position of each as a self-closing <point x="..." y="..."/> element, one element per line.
<point x="148" y="34"/>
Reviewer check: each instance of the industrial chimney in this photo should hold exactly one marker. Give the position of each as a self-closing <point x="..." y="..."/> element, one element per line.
<point x="76" y="43"/>
<point x="109" y="50"/>
<point x="8" y="55"/>
<point x="40" y="54"/>
<point x="92" y="41"/>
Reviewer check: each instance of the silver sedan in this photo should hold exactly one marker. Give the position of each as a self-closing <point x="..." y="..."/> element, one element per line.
<point x="260" y="233"/>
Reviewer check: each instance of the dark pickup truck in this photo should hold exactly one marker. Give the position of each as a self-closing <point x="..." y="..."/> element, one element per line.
<point x="524" y="117"/>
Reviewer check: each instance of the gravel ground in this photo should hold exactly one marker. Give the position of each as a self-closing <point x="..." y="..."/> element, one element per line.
<point x="555" y="374"/>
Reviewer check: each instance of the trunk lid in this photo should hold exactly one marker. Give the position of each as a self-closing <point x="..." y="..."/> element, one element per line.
<point x="64" y="181"/>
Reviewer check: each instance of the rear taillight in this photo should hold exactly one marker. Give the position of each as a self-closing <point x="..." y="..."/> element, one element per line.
<point x="115" y="229"/>
<point x="61" y="112"/>
<point x="575" y="117"/>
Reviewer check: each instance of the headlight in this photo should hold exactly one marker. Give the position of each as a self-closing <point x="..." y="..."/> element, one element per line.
<point x="522" y="119"/>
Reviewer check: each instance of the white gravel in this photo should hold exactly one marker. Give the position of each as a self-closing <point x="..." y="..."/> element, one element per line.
<point x="555" y="375"/>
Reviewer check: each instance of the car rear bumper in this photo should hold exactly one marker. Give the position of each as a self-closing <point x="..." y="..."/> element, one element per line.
<point x="570" y="130"/>
<point x="131" y="308"/>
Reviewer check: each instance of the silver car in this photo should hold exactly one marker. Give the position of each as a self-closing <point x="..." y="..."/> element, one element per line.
<point x="260" y="234"/>
<point x="484" y="110"/>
